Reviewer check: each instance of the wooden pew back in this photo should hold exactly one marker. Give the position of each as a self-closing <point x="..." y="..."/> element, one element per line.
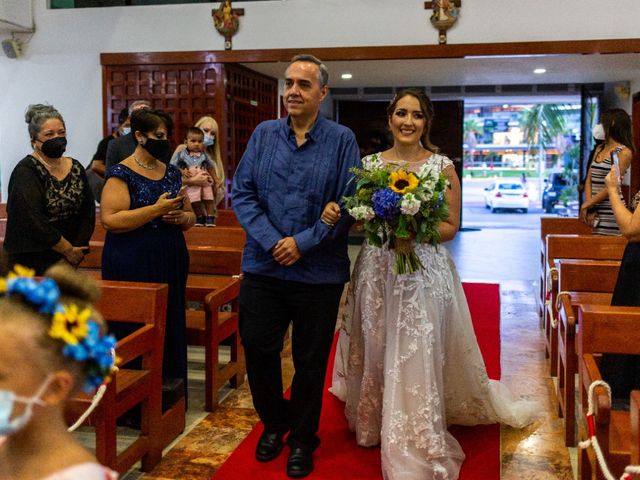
<point x="555" y="225"/>
<point x="593" y="278"/>
<point x="216" y="236"/>
<point x="605" y="329"/>
<point x="146" y="304"/>
<point x="588" y="247"/>
<point x="227" y="218"/>
<point x="577" y="275"/>
<point x="209" y="260"/>
<point x="595" y="247"/>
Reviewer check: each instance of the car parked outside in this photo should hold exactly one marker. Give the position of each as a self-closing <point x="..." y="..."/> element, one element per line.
<point x="506" y="195"/>
<point x="554" y="186"/>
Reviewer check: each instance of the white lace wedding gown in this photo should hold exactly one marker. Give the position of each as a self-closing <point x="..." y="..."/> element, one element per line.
<point x="408" y="364"/>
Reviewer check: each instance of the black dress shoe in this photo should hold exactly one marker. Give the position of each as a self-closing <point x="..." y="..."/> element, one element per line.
<point x="300" y="462"/>
<point x="269" y="446"/>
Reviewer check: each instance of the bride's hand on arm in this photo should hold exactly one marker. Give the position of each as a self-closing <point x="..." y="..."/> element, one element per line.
<point x="331" y="214"/>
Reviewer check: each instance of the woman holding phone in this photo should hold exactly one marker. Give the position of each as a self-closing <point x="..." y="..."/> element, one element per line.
<point x="617" y="146"/>
<point x="145" y="212"/>
<point x="622" y="372"/>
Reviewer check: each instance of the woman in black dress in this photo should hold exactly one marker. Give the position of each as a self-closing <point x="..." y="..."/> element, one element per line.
<point x="622" y="372"/>
<point x="50" y="207"/>
<point x="144" y="211"/>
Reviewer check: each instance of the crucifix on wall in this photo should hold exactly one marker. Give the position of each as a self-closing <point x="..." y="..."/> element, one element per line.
<point x="445" y="13"/>
<point x="226" y="19"/>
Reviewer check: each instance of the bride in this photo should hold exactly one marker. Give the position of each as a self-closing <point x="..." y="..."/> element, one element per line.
<point x="408" y="362"/>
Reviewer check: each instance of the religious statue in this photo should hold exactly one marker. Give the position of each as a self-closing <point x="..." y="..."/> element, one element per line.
<point x="227" y="20"/>
<point x="445" y="13"/>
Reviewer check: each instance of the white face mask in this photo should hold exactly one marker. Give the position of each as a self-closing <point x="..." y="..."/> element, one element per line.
<point x="8" y="399"/>
<point x="598" y="132"/>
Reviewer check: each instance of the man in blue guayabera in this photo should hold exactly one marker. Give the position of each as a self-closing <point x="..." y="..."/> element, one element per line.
<point x="295" y="266"/>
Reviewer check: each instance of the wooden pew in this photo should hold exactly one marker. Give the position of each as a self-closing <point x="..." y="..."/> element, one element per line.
<point x="226" y="218"/>
<point x="595" y="247"/>
<point x="634" y="413"/>
<point x="604" y="329"/>
<point x="217" y="236"/>
<point x="555" y="225"/>
<point x="213" y="326"/>
<point x="580" y="281"/>
<point x="210" y="282"/>
<point x="208" y="260"/>
<point x="144" y="304"/>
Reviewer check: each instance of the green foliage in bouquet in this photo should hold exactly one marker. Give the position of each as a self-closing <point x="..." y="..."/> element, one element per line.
<point x="399" y="207"/>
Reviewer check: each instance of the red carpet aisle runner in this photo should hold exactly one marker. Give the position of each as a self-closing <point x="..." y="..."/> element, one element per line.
<point x="340" y="458"/>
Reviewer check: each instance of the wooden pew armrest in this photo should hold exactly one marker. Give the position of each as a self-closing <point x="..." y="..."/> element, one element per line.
<point x="222" y="296"/>
<point x="566" y="316"/>
<point x="602" y="402"/>
<point x="136" y="343"/>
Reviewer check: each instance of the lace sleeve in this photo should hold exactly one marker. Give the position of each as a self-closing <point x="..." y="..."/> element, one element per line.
<point x="441" y="160"/>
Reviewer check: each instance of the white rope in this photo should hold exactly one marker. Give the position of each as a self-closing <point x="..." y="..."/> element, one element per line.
<point x="592" y="441"/>
<point x="94" y="403"/>
<point x="547" y="296"/>
<point x="96" y="397"/>
<point x="630" y="470"/>
<point x="549" y="272"/>
<point x="559" y="298"/>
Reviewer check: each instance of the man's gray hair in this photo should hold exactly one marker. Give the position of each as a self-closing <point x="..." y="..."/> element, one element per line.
<point x="324" y="71"/>
<point x="138" y="104"/>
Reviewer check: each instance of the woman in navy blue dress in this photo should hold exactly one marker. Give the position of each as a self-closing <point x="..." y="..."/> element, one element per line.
<point x="145" y="211"/>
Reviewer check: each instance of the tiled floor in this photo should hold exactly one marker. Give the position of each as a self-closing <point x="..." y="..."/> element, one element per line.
<point x="508" y="256"/>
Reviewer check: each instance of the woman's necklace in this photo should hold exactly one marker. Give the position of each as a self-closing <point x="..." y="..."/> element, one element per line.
<point x="142" y="165"/>
<point x="48" y="166"/>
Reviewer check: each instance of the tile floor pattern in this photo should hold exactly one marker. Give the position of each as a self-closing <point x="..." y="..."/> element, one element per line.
<point x="536" y="452"/>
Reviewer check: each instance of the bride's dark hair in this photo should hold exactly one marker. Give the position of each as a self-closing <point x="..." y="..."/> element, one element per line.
<point x="427" y="110"/>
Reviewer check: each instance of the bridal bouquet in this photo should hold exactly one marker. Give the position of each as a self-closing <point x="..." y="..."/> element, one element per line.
<point x="399" y="208"/>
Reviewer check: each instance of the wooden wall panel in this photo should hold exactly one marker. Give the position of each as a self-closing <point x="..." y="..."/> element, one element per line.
<point x="251" y="99"/>
<point x="238" y="98"/>
<point x="185" y="91"/>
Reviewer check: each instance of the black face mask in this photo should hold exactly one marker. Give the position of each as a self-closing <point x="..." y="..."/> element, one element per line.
<point x="54" y="147"/>
<point x="159" y="149"/>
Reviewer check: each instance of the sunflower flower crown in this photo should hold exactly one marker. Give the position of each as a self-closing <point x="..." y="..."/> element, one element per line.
<point x="74" y="327"/>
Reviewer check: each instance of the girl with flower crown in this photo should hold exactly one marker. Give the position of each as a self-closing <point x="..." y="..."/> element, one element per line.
<point x="52" y="347"/>
<point x="408" y="362"/>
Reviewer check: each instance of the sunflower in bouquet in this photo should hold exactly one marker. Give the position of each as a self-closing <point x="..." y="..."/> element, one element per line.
<point x="399" y="208"/>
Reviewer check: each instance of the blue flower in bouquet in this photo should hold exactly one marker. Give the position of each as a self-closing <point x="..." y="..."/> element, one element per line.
<point x="386" y="203"/>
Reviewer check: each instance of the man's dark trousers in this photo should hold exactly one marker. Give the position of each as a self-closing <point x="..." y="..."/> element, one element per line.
<point x="267" y="306"/>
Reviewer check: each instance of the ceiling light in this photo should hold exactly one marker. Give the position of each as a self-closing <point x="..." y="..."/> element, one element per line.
<point x="346" y="76"/>
<point x="539" y="71"/>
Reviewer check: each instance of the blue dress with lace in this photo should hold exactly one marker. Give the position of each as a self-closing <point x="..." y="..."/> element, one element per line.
<point x="154" y="252"/>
